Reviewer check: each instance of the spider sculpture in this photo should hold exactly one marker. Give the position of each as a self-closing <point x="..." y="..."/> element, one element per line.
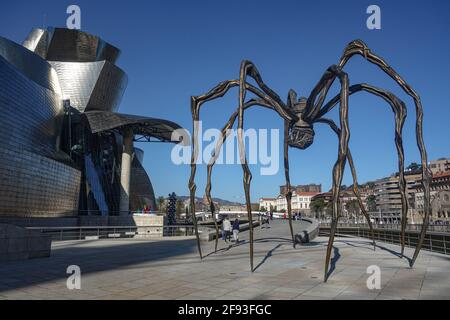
<point x="300" y="115"/>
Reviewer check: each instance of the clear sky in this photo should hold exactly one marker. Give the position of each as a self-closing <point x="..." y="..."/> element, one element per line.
<point x="174" y="49"/>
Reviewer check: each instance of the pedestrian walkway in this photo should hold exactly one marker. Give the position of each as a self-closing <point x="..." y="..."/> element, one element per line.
<point x="171" y="269"/>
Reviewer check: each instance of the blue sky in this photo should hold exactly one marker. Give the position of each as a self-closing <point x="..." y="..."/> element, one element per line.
<point x="174" y="49"/>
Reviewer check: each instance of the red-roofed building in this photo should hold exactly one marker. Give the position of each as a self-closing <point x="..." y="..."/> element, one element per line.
<point x="267" y="204"/>
<point x="300" y="202"/>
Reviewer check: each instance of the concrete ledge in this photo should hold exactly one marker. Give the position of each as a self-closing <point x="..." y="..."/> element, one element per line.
<point x="309" y="233"/>
<point x="206" y="235"/>
<point x="17" y="243"/>
<point x="91" y="238"/>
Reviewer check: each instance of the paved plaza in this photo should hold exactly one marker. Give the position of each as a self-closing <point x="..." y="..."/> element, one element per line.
<point x="171" y="269"/>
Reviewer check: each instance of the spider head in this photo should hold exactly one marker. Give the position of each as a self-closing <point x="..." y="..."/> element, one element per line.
<point x="301" y="133"/>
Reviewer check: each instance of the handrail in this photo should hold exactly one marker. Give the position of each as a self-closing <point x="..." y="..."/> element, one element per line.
<point x="409" y="227"/>
<point x="435" y="241"/>
<point x="109" y="227"/>
<point x="111" y="232"/>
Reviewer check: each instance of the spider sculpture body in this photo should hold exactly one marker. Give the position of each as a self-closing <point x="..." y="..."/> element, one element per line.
<point x="300" y="115"/>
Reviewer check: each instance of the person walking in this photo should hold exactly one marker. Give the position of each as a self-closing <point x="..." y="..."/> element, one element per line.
<point x="236" y="231"/>
<point x="267" y="220"/>
<point x="226" y="224"/>
<point x="262" y="221"/>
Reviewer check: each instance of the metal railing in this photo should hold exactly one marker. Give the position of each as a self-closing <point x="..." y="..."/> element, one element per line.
<point x="114" y="232"/>
<point x="395" y="226"/>
<point x="435" y="241"/>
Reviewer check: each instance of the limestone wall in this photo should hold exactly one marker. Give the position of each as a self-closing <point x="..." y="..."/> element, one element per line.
<point x="17" y="243"/>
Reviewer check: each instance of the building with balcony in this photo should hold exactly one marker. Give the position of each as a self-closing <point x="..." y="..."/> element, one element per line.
<point x="440" y="205"/>
<point x="440" y="166"/>
<point x="268" y="204"/>
<point x="388" y="198"/>
<point x="300" y="202"/>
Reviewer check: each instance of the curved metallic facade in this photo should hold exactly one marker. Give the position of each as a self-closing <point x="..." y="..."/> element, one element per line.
<point x="61" y="143"/>
<point x="85" y="65"/>
<point x="33" y="183"/>
<point x="58" y="44"/>
<point x="157" y="128"/>
<point x="91" y="85"/>
<point x="141" y="189"/>
<point x="30" y="65"/>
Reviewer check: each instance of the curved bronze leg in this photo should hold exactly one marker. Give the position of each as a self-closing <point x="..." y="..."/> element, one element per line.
<point x="339" y="167"/>
<point x="400" y="112"/>
<point x="218" y="147"/>
<point x="359" y="47"/>
<point x="288" y="180"/>
<point x="335" y="128"/>
<point x="243" y="159"/>
<point x="196" y="102"/>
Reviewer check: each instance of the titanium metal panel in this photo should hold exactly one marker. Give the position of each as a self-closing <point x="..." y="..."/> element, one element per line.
<point x="141" y="189"/>
<point x="91" y="85"/>
<point x="31" y="115"/>
<point x="29" y="64"/>
<point x="32" y="182"/>
<point x="139" y="154"/>
<point x="109" y="89"/>
<point x="37" y="41"/>
<point x="100" y="121"/>
<point x="65" y="45"/>
<point x="32" y="185"/>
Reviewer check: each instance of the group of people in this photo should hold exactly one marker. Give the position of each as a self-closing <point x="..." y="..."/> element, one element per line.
<point x="264" y="220"/>
<point x="229" y="229"/>
<point x="145" y="210"/>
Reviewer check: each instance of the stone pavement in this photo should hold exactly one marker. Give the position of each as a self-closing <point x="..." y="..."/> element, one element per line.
<point x="171" y="269"/>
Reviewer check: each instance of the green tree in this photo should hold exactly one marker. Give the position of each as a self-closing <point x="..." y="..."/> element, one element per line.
<point x="263" y="209"/>
<point x="179" y="208"/>
<point x="353" y="208"/>
<point x="317" y="206"/>
<point x="371" y="203"/>
<point x="371" y="185"/>
<point x="161" y="200"/>
<point x="255" y="206"/>
<point x="413" y="166"/>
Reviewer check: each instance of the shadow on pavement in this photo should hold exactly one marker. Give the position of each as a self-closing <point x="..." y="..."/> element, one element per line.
<point x="268" y="255"/>
<point x="333" y="261"/>
<point x="91" y="259"/>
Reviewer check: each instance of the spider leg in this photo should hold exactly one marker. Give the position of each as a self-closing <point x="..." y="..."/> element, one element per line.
<point x="400" y="112"/>
<point x="313" y="104"/>
<point x="211" y="163"/>
<point x="247" y="178"/>
<point x="196" y="103"/>
<point x="359" y="47"/>
<point x="288" y="180"/>
<point x="335" y="128"/>
<point x="339" y="167"/>
<point x="219" y="91"/>
<point x="250" y="70"/>
<point x="224" y="135"/>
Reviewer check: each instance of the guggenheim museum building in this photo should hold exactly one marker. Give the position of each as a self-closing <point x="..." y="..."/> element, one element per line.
<point x="64" y="148"/>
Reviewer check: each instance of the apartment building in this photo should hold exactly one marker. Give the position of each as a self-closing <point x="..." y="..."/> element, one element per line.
<point x="440" y="166"/>
<point x="440" y="205"/>
<point x="388" y="198"/>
